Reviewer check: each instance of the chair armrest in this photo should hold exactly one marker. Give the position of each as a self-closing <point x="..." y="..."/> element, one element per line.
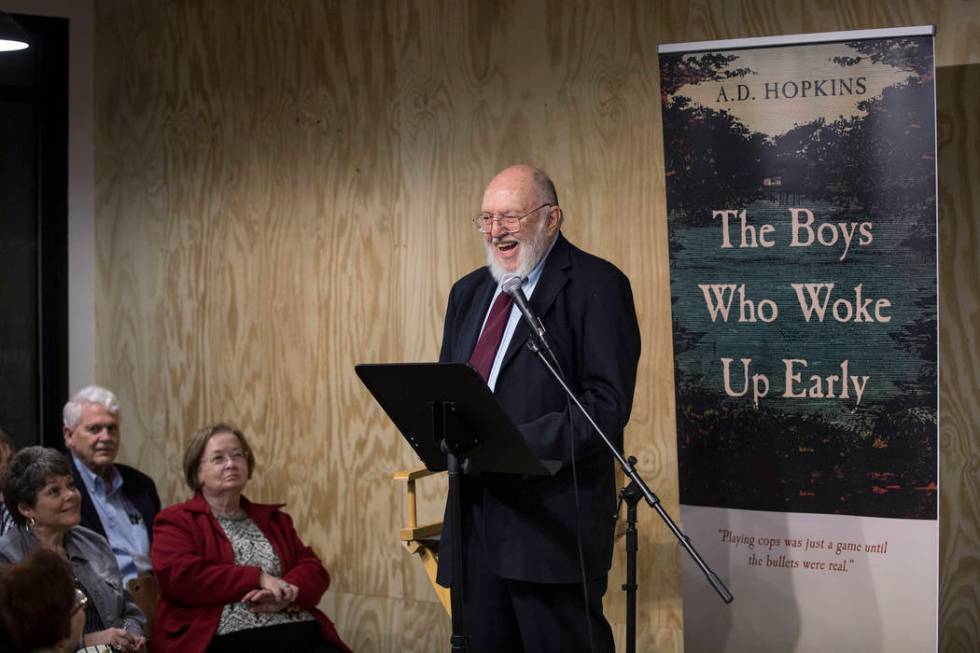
<point x="413" y="474"/>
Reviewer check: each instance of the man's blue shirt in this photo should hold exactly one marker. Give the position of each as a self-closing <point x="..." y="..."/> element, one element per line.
<point x="124" y="526"/>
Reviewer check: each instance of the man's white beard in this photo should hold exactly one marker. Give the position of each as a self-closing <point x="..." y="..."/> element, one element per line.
<point x="530" y="255"/>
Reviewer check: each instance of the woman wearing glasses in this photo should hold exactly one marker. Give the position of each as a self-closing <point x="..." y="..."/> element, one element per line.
<point x="233" y="574"/>
<point x="40" y="494"/>
<point x="40" y="620"/>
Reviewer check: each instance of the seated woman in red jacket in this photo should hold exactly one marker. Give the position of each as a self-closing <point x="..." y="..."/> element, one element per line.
<point x="233" y="574"/>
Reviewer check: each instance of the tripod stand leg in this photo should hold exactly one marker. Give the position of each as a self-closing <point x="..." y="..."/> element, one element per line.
<point x="631" y="496"/>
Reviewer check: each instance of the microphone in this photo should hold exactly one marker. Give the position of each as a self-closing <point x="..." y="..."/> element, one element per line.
<point x="511" y="285"/>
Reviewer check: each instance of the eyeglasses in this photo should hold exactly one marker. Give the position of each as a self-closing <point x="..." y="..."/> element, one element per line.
<point x="80" y="601"/>
<point x="219" y="460"/>
<point x="510" y="223"/>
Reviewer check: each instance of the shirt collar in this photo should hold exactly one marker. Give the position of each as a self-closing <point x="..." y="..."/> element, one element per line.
<point x="74" y="553"/>
<point x="29" y="543"/>
<point x="199" y="504"/>
<point x="95" y="483"/>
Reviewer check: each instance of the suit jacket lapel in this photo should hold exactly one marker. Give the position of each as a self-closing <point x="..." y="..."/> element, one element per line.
<point x="553" y="279"/>
<point x="90" y="516"/>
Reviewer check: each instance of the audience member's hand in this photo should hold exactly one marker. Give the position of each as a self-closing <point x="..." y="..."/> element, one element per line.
<point x="273" y="595"/>
<point x="269" y="606"/>
<point x="118" y="637"/>
<point x="264" y="601"/>
<point x="279" y="589"/>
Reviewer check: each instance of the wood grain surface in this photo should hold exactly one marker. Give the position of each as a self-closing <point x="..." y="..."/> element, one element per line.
<point x="283" y="190"/>
<point x="959" y="341"/>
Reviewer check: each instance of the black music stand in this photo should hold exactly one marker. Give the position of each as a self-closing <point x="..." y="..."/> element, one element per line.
<point x="448" y="414"/>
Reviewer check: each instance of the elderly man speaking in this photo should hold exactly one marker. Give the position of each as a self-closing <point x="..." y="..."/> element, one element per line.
<point x="528" y="543"/>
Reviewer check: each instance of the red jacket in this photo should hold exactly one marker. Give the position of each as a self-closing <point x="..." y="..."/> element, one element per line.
<point x="195" y="565"/>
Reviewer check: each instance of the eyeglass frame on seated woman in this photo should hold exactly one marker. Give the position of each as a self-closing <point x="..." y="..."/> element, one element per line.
<point x="81" y="601"/>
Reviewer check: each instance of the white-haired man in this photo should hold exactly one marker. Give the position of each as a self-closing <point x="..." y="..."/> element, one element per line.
<point x="118" y="501"/>
<point x="522" y="569"/>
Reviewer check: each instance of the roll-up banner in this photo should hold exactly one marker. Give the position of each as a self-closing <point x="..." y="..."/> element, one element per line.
<point x="801" y="197"/>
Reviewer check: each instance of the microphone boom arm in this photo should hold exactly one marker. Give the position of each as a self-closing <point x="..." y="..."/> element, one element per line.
<point x="638" y="486"/>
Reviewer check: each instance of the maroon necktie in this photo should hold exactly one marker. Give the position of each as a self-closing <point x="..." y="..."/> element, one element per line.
<point x="493" y="332"/>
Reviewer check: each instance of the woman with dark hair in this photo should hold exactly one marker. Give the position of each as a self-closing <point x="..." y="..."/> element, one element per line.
<point x="40" y="609"/>
<point x="234" y="576"/>
<point x="40" y="493"/>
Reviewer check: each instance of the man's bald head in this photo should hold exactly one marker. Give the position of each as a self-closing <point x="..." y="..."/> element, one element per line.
<point x="527" y="193"/>
<point x="527" y="181"/>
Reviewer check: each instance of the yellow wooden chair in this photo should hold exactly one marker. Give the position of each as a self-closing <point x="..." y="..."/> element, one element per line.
<point x="423" y="540"/>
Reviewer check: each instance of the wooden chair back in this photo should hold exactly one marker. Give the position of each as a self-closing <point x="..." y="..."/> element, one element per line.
<point x="146" y="593"/>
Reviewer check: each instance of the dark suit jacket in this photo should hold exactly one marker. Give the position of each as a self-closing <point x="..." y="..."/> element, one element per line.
<point x="529" y="524"/>
<point x="138" y="488"/>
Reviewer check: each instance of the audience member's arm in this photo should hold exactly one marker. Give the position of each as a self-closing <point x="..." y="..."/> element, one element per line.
<point x="308" y="574"/>
<point x="133" y="619"/>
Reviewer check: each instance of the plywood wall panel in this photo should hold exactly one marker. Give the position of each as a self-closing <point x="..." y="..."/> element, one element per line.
<point x="384" y="624"/>
<point x="284" y="189"/>
<point x="959" y="320"/>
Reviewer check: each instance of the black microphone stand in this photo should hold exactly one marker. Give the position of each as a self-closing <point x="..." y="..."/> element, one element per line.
<point x="634" y="491"/>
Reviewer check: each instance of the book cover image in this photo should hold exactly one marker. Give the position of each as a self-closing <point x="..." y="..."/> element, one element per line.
<point x="801" y="196"/>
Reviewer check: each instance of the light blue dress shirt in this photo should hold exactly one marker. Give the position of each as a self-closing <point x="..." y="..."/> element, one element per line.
<point x="123" y="523"/>
<point x="515" y="314"/>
